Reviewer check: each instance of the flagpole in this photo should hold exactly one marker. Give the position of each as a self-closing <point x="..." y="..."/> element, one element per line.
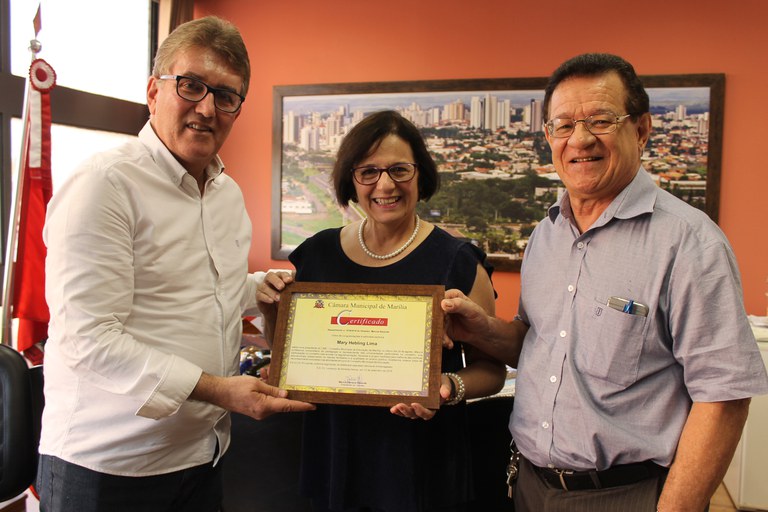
<point x="13" y="218"/>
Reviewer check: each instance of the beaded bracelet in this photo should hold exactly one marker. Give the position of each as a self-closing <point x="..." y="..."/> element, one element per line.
<point x="458" y="384"/>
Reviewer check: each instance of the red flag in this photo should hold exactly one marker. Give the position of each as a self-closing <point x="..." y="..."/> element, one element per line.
<point x="29" y="282"/>
<point x="38" y="21"/>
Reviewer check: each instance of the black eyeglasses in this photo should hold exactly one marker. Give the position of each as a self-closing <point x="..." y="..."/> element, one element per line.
<point x="192" y="89"/>
<point x="370" y="175"/>
<point x="596" y="124"/>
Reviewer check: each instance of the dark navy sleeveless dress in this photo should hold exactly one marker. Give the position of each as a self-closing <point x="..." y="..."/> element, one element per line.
<point x="356" y="456"/>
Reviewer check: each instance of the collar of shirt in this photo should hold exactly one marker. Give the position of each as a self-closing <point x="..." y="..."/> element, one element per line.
<point x="168" y="162"/>
<point x="637" y="198"/>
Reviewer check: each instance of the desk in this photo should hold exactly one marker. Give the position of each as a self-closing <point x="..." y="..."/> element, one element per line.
<point x="745" y="479"/>
<point x="17" y="504"/>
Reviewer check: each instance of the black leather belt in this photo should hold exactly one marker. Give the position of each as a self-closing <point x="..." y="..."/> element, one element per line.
<point x="612" y="477"/>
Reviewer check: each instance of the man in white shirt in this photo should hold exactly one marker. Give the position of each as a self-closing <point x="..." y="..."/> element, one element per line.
<point x="147" y="281"/>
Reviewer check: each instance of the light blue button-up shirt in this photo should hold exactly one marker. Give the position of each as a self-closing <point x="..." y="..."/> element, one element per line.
<point x="598" y="386"/>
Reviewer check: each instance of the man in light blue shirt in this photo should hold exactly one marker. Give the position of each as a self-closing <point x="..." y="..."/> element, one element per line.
<point x="638" y="362"/>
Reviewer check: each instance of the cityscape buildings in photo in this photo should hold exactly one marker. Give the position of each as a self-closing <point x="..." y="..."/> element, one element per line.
<point x="497" y="179"/>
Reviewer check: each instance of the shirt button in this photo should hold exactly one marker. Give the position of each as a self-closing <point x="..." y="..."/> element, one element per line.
<point x="553" y="379"/>
<point x="580" y="245"/>
<point x="545" y="424"/>
<point x="570" y="288"/>
<point x="562" y="334"/>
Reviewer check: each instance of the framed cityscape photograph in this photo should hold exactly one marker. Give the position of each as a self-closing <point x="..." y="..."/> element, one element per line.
<point x="486" y="137"/>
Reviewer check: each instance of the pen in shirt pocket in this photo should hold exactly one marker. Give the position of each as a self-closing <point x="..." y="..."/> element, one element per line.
<point x="628" y="306"/>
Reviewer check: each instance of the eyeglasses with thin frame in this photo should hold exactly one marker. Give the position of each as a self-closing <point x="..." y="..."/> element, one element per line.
<point x="596" y="124"/>
<point x="369" y="175"/>
<point x="192" y="89"/>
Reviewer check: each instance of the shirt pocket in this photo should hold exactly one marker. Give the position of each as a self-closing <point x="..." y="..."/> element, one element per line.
<point x="612" y="344"/>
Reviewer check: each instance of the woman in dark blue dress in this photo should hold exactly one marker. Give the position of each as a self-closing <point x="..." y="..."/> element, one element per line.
<point x="406" y="458"/>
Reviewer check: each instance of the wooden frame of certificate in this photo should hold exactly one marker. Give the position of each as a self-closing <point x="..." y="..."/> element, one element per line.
<point x="359" y="344"/>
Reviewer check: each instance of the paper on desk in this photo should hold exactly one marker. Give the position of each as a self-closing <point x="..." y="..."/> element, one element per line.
<point x="759" y="327"/>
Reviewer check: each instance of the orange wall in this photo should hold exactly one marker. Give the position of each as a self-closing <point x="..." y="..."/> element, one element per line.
<point x="310" y="41"/>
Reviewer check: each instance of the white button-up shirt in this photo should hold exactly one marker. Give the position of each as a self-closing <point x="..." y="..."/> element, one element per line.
<point x="146" y="281"/>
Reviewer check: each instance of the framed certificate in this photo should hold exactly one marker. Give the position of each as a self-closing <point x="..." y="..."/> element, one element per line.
<point x="359" y="344"/>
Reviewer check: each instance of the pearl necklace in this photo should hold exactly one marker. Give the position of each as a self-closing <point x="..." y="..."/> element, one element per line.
<point x="394" y="253"/>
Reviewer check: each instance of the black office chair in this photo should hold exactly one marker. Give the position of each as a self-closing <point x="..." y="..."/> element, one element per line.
<point x="21" y="407"/>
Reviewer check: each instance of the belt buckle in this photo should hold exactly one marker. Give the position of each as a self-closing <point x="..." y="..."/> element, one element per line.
<point x="560" y="473"/>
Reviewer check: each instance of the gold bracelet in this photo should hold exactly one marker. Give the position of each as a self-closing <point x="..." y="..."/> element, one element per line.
<point x="459" y="385"/>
